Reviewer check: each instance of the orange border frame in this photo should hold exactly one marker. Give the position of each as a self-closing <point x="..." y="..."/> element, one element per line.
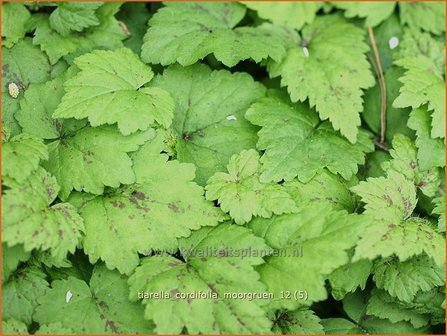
<point x="1" y="79"/>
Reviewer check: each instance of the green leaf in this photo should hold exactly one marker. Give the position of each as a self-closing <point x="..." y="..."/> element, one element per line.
<point x="102" y="306"/>
<point x="21" y="156"/>
<point x="331" y="75"/>
<point x="347" y="278"/>
<point x="207" y="28"/>
<point x="109" y="89"/>
<point x="384" y="306"/>
<point x="324" y="187"/>
<point x="135" y="16"/>
<point x="432" y="303"/>
<point x="295" y="144"/>
<point x="53" y="328"/>
<point x="391" y="198"/>
<point x="21" y="292"/>
<point x="439" y="210"/>
<point x="323" y="236"/>
<point x="86" y="160"/>
<point x="150" y="214"/>
<point x="240" y="193"/>
<point x="209" y="115"/>
<point x="37" y="107"/>
<point x="404" y="161"/>
<point x="390" y="202"/>
<point x="298" y="322"/>
<point x="354" y="305"/>
<point x="108" y="35"/>
<point x="70" y="17"/>
<point x="423" y="84"/>
<point x="431" y="151"/>
<point x="404" y="279"/>
<point x="293" y="15"/>
<point x="28" y="218"/>
<point x="385" y="326"/>
<point x="417" y="43"/>
<point x="339" y="326"/>
<point x="428" y="16"/>
<point x="405" y="240"/>
<point x="373" y="12"/>
<point x="14" y="327"/>
<point x="11" y="258"/>
<point x="10" y="106"/>
<point x="23" y="64"/>
<point x="14" y="18"/>
<point x="208" y="272"/>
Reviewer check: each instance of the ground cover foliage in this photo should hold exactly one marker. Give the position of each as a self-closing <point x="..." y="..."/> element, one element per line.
<point x="194" y="148"/>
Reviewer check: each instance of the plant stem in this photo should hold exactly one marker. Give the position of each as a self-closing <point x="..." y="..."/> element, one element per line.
<point x="378" y="68"/>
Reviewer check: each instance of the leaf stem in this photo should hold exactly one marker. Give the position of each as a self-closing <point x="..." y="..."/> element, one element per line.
<point x="378" y="68"/>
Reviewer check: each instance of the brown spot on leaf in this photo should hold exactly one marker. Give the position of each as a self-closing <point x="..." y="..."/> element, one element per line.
<point x="388" y="199"/>
<point x="139" y="195"/>
<point x="112" y="326"/>
<point x="135" y="198"/>
<point x="118" y="204"/>
<point x="186" y="136"/>
<point x="102" y="304"/>
<point x="173" y="207"/>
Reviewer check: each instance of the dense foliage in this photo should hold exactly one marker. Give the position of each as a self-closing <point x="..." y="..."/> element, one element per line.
<point x="225" y="167"/>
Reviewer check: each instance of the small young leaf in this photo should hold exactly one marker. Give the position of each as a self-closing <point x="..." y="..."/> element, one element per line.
<point x="241" y="193"/>
<point x="21" y="156"/>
